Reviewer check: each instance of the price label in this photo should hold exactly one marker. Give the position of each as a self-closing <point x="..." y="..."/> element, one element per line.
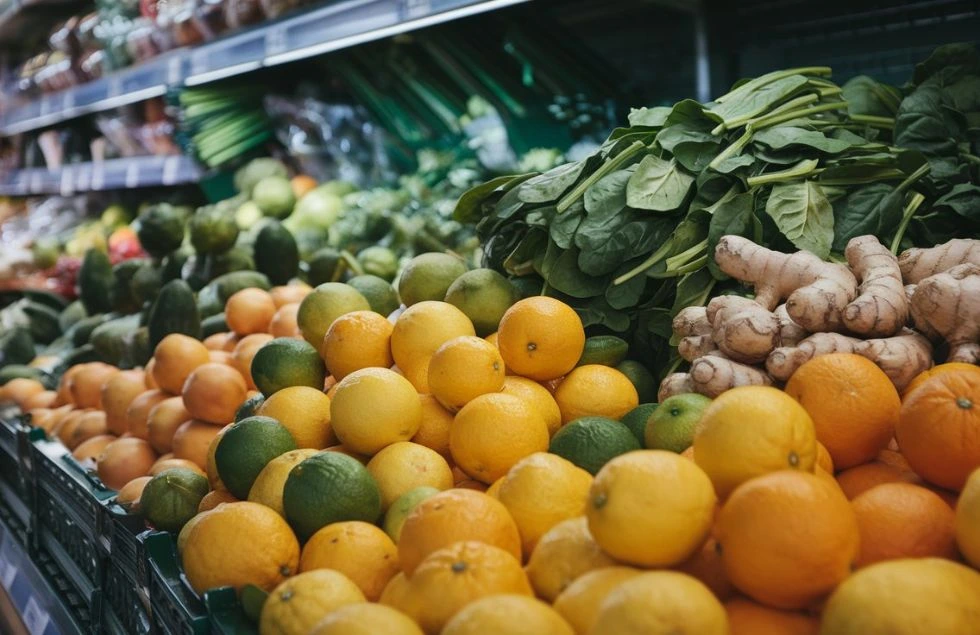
<point x="132" y="175"/>
<point x="37" y="182"/>
<point x="199" y="63"/>
<point x="275" y="42"/>
<point x="171" y="165"/>
<point x="67" y="186"/>
<point x="174" y="69"/>
<point x="84" y="180"/>
<point x="45" y="105"/>
<point x="98" y="176"/>
<point x="417" y="8"/>
<point x="7" y="574"/>
<point x="35" y="618"/>
<point x="68" y="102"/>
<point x="115" y="86"/>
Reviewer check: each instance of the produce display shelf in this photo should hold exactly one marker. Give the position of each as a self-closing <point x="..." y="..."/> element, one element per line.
<point x="176" y="608"/>
<point x="114" y="174"/>
<point x="334" y="26"/>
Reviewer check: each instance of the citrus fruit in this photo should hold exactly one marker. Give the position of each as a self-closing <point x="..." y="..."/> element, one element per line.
<point x="595" y="390"/>
<point x="250" y="406"/>
<point x="249" y="311"/>
<point x="123" y="460"/>
<point x="89" y="425"/>
<point x="244" y="353"/>
<point x="90" y="449"/>
<point x="541" y="338"/>
<point x="539" y="398"/>
<point x="824" y="461"/>
<point x="434" y="428"/>
<point x="173" y="360"/>
<point x="752" y="430"/>
<point x="708" y="566"/>
<point x="636" y="420"/>
<point x="542" y="490"/>
<point x="396" y="592"/>
<point x="905" y="597"/>
<point x="591" y="442"/>
<point x="299" y="603"/>
<point x="285" y="362"/>
<point x="899" y="520"/>
<point x="660" y="603"/>
<point x="464" y="368"/>
<point x="268" y="485"/>
<point x="162" y="464"/>
<point x="46" y="398"/>
<point x="129" y="495"/>
<point x="493" y="432"/>
<point x="968" y="520"/>
<point x="283" y="323"/>
<point x="116" y="394"/>
<point x="418" y="334"/>
<point x="428" y="277"/>
<point x="360" y="339"/>
<point x="579" y="603"/>
<point x="329" y="487"/>
<point x="452" y="516"/>
<point x="246" y="448"/>
<point x="85" y="385"/>
<point x="857" y="480"/>
<point x="563" y="554"/>
<point x="138" y="411"/>
<point x="304" y="411"/>
<point x="378" y="292"/>
<point x="404" y="466"/>
<point x="359" y="550"/>
<point x="192" y="441"/>
<point x="325" y="304"/>
<point x="373" y="408"/>
<point x="938" y="369"/>
<point x="759" y="531"/>
<point x="650" y="493"/>
<point x="507" y="615"/>
<point x="939" y="428"/>
<point x="366" y="619"/>
<point x="292" y="293"/>
<point x="162" y="422"/>
<point x="214" y="498"/>
<point x="20" y="389"/>
<point x="402" y="507"/>
<point x="853" y="404"/>
<point x="171" y="498"/>
<point x="237" y="544"/>
<point x="457" y="575"/>
<point x="746" y="617"/>
<point x="213" y="393"/>
<point x="672" y="425"/>
<point x="484" y="296"/>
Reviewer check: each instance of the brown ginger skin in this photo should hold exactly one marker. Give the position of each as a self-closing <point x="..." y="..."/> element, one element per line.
<point x="917" y="264"/>
<point x="881" y="310"/>
<point x="712" y="375"/>
<point x="743" y="329"/>
<point x="948" y="304"/>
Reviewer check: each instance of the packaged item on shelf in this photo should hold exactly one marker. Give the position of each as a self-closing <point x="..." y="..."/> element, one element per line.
<point x="239" y="13"/>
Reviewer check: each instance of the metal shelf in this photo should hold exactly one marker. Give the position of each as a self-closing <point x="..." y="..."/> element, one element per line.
<point x="108" y="175"/>
<point x="328" y="28"/>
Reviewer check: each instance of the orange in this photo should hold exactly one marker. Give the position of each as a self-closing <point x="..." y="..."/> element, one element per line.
<point x="221" y="357"/>
<point x="760" y="529"/>
<point x="419" y="332"/>
<point x="395" y="593"/>
<point x="34" y="386"/>
<point x="249" y="311"/>
<point x="857" y="480"/>
<point x="91" y="448"/>
<point x="20" y="389"/>
<point x="91" y="424"/>
<point x="192" y="440"/>
<point x="163" y="421"/>
<point x="853" y="404"/>
<point x="939" y="428"/>
<point x="366" y="619"/>
<point x="173" y="360"/>
<point x="939" y="369"/>
<point x="464" y="368"/>
<point x="707" y="566"/>
<point x="138" y="411"/>
<point x="493" y="432"/>
<point x="43" y="399"/>
<point x="433" y="431"/>
<point x="214" y="498"/>
<point x="562" y="555"/>
<point x="213" y="393"/>
<point x="214" y="342"/>
<point x="117" y="393"/>
<point x="968" y="520"/>
<point x="452" y="516"/>
<point x="461" y="573"/>
<point x="403" y="466"/>
<point x="289" y="294"/>
<point x="753" y="430"/>
<point x="167" y="464"/>
<point x="595" y="390"/>
<point x="211" y="468"/>
<point x="356" y="340"/>
<point x="899" y="520"/>
<point x="661" y="602"/>
<point x="86" y="385"/>
<point x="237" y="544"/>
<point x="539" y="398"/>
<point x="129" y="495"/>
<point x="123" y="460"/>
<point x="359" y="550"/>
<point x="67" y="425"/>
<point x="511" y="614"/>
<point x="245" y="351"/>
<point x="746" y="617"/>
<point x="284" y="323"/>
<point x="824" y="461"/>
<point x="893" y="458"/>
<point x="579" y="603"/>
<point x="231" y="341"/>
<point x="541" y="338"/>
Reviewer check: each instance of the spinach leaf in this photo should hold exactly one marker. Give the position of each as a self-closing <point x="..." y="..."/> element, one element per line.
<point x="652" y="117"/>
<point x="627" y="294"/>
<point x="658" y="185"/>
<point x="803" y="214"/>
<point x="548" y="187"/>
<point x="691" y="115"/>
<point x="928" y="122"/>
<point x="598" y="312"/>
<point x="865" y="96"/>
<point x="566" y="277"/>
<point x="955" y="59"/>
<point x="608" y="194"/>
<point x="564" y="226"/>
<point x="782" y="137"/>
<point x="738" y="163"/>
<point x="758" y="100"/>
<point x="606" y="247"/>
<point x="872" y="209"/>
<point x="520" y="261"/>
<point x="732" y="215"/>
<point x="470" y="207"/>
<point x="963" y="200"/>
<point x="693" y="289"/>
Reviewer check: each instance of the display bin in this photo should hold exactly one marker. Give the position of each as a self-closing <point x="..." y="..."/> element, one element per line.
<point x="225" y="613"/>
<point x="14" y="478"/>
<point x="176" y="609"/>
<point x="125" y="594"/>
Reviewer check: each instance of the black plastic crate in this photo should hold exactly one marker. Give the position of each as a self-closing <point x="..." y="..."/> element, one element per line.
<point x="84" y="609"/>
<point x="226" y="614"/>
<point x="176" y="609"/>
<point x="125" y="603"/>
<point x="14" y="479"/>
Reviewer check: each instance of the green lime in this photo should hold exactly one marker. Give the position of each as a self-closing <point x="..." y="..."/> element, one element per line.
<point x="329" y="487"/>
<point x="323" y="266"/>
<point x="402" y="507"/>
<point x="428" y="277"/>
<point x="285" y="362"/>
<point x="380" y="294"/>
<point x="673" y="424"/>
<point x="325" y="304"/>
<point x="643" y="380"/>
<point x="379" y="261"/>
<point x="607" y="350"/>
<point x="274" y="196"/>
<point x="249" y="407"/>
<point x="245" y="448"/>
<point x="171" y="498"/>
<point x="636" y="420"/>
<point x="484" y="296"/>
<point x="591" y="442"/>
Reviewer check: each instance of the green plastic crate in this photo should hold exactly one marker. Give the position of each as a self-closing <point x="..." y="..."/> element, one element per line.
<point x="125" y="593"/>
<point x="15" y="481"/>
<point x="175" y="608"/>
<point x="225" y="613"/>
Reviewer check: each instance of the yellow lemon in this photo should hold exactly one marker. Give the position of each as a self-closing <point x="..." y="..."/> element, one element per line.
<point x="267" y="487"/>
<point x="373" y="408"/>
<point x="305" y="412"/>
<point x="463" y="368"/>
<point x="360" y="339"/>
<point x="539" y="398"/>
<point x="595" y="390"/>
<point x="433" y="431"/>
<point x="302" y="601"/>
<point x="507" y="615"/>
<point x="565" y="553"/>
<point x="403" y="466"/>
<point x="661" y="603"/>
<point x="579" y="603"/>
<point x="419" y="332"/>
<point x="366" y="619"/>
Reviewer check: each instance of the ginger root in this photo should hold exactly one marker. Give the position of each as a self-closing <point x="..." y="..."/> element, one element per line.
<point x="692" y="327"/>
<point x="712" y="375"/>
<point x="675" y="384"/>
<point x="948" y="304"/>
<point x="882" y="308"/>
<point x="815" y="291"/>
<point x="790" y="333"/>
<point x="917" y="264"/>
<point x="743" y="329"/>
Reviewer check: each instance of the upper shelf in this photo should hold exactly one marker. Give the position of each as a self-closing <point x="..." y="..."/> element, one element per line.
<point x="335" y="26"/>
<point x="113" y="174"/>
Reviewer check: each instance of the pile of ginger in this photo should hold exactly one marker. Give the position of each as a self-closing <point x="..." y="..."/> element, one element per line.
<point x="887" y="309"/>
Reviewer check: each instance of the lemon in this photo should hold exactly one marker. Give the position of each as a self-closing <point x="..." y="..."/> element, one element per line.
<point x="325" y="304"/>
<point x="404" y="466"/>
<point x="373" y="408"/>
<point x="268" y="485"/>
<point x="304" y="411"/>
<point x="428" y="277"/>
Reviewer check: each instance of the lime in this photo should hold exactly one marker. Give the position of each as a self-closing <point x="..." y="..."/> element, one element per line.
<point x="323" y="266"/>
<point x="607" y="350"/>
<point x="249" y="407"/>
<point x="379" y="261"/>
<point x="325" y="304"/>
<point x="246" y="447"/>
<point x="402" y="507"/>
<point x="170" y="498"/>
<point x="428" y="277"/>
<point x="274" y="196"/>
<point x="329" y="487"/>
<point x="636" y="420"/>
<point x="380" y="294"/>
<point x="484" y="296"/>
<point x="285" y="362"/>
<point x="643" y="380"/>
<point x="591" y="442"/>
<point x="672" y="425"/>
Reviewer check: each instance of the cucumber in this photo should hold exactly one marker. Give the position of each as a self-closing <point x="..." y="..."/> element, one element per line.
<point x="214" y="324"/>
<point x="160" y="229"/>
<point x="16" y="347"/>
<point x="207" y="302"/>
<point x="82" y="355"/>
<point x="146" y="283"/>
<point x="95" y="282"/>
<point x="174" y="311"/>
<point x="123" y="299"/>
<point x="276" y="254"/>
<point x="137" y="351"/>
<point x="172" y="264"/>
<point x="231" y="283"/>
<point x="21" y="371"/>
<point x="53" y="300"/>
<point x="82" y="331"/>
<point x="196" y="271"/>
<point x="108" y="339"/>
<point x="71" y="314"/>
<point x="607" y="350"/>
<point x="44" y="322"/>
